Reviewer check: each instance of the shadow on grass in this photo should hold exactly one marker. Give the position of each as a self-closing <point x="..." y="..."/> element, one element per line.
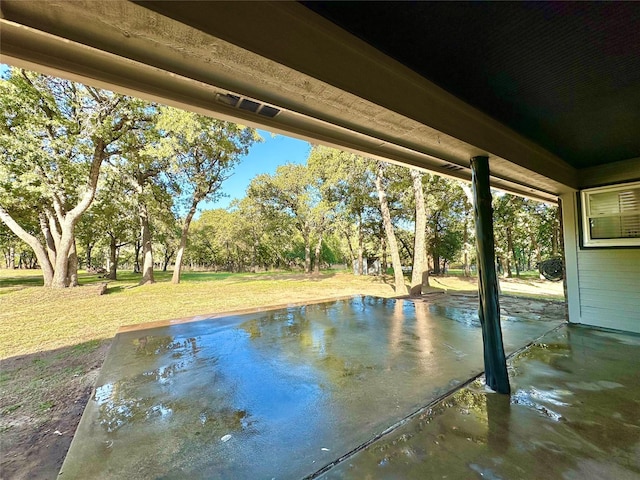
<point x="314" y="277"/>
<point x="128" y="279"/>
<point x="208" y="276"/>
<point x="32" y="280"/>
<point x="115" y="289"/>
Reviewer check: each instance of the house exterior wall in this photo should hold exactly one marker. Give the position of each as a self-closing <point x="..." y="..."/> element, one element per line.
<point x="603" y="284"/>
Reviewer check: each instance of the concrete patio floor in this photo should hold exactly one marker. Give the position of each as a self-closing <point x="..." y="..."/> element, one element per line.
<point x="574" y="413"/>
<point x="299" y="392"/>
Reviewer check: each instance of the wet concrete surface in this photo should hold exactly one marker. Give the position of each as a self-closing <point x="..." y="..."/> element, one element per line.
<point x="574" y="414"/>
<point x="283" y="393"/>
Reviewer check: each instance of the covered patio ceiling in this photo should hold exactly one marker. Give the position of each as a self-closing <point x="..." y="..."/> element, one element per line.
<point x="565" y="75"/>
<point x="550" y="92"/>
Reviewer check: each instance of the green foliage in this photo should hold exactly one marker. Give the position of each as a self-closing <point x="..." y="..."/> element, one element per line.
<point x="201" y="151"/>
<point x="158" y="163"/>
<point x="448" y="207"/>
<point x="54" y="137"/>
<point x="526" y="232"/>
<point x="346" y="182"/>
<point x="449" y="245"/>
<point x="290" y="196"/>
<point x="50" y="129"/>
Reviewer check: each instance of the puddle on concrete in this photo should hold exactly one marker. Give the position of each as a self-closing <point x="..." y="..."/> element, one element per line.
<point x="276" y="394"/>
<point x="574" y="414"/>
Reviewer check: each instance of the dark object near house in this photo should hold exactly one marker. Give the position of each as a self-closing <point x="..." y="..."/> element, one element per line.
<point x="552" y="269"/>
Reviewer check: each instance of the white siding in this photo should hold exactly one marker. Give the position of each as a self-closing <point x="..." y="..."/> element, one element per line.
<point x="609" y="282"/>
<point x="603" y="285"/>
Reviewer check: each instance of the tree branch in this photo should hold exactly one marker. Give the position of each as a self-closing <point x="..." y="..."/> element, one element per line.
<point x="94" y="93"/>
<point x="32" y="241"/>
<point x="94" y="172"/>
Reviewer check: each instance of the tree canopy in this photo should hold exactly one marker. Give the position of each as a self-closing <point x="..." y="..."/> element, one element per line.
<point x="95" y="179"/>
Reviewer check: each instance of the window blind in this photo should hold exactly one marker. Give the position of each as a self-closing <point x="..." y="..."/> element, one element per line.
<point x="612" y="213"/>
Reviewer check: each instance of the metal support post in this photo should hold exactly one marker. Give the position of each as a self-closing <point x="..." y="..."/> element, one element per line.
<point x="489" y="309"/>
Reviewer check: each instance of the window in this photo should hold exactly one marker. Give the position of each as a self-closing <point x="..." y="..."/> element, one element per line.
<point x="611" y="216"/>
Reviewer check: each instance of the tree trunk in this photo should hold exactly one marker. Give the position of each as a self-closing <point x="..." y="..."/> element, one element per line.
<point x="435" y="247"/>
<point x="175" y="278"/>
<point x="466" y="188"/>
<point x="11" y="264"/>
<point x="403" y="243"/>
<point x="360" y="265"/>
<point x="61" y="272"/>
<point x="168" y="255"/>
<point x="400" y="286"/>
<point x="307" y="252"/>
<point x="536" y="249"/>
<point x="516" y="261"/>
<point x="509" y="252"/>
<point x="420" y="272"/>
<point x="147" y="247"/>
<point x="48" y="237"/>
<point x="555" y="236"/>
<point x="436" y="258"/>
<point x="68" y="223"/>
<point x="72" y="272"/>
<point x="33" y="242"/>
<point x="88" y="248"/>
<point x="136" y="261"/>
<point x="352" y="255"/>
<point x="467" y="266"/>
<point x="54" y="232"/>
<point x="383" y="255"/>
<point x="254" y="254"/>
<point x="316" y="267"/>
<point x="113" y="258"/>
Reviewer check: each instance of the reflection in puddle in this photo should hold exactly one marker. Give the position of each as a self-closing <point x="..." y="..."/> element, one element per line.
<point x="594" y="386"/>
<point x="484" y="472"/>
<point x="460" y="315"/>
<point x="124" y="401"/>
<point x="278" y="393"/>
<point x="534" y="400"/>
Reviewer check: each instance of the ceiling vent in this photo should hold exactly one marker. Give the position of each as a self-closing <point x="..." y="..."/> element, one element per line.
<point x="452" y="167"/>
<point x="248" y="105"/>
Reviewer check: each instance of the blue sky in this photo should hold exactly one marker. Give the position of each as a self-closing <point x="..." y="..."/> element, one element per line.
<point x="263" y="157"/>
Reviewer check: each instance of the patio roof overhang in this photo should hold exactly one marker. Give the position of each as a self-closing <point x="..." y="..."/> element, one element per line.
<point x="329" y="86"/>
